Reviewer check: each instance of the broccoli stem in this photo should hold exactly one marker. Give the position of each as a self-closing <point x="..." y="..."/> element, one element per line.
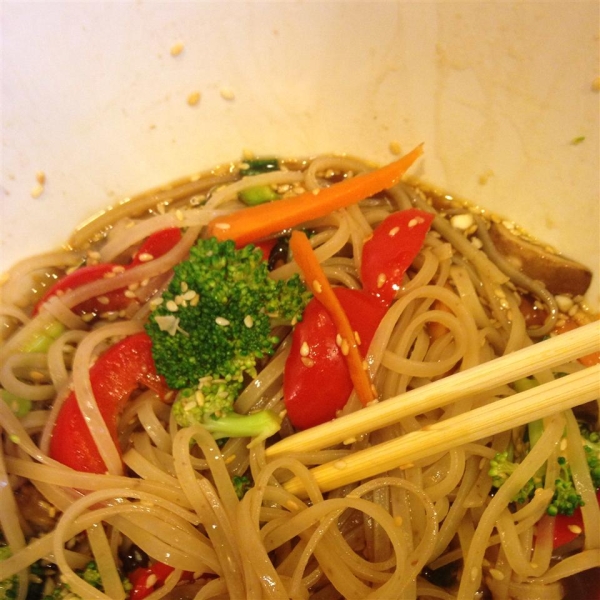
<point x="258" y="195"/>
<point x="259" y="425"/>
<point x="41" y="339"/>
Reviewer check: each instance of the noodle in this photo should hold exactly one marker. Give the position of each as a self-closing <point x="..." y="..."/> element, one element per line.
<point x="434" y="528"/>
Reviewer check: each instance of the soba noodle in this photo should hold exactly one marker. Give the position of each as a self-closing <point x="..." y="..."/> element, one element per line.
<point x="435" y="529"/>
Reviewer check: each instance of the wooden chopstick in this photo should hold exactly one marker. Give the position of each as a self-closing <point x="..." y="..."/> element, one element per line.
<point x="549" y="353"/>
<point x="513" y="411"/>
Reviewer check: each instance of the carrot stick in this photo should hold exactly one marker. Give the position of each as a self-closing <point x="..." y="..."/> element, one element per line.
<point x="318" y="283"/>
<point x="253" y="223"/>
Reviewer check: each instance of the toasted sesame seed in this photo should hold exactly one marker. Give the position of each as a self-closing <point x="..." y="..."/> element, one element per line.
<point x="195" y="300"/>
<point x="129" y="294"/>
<point x="575" y="529"/>
<point x="340" y="464"/>
<point x="184" y="286"/>
<point x="338" y="340"/>
<point x="118" y="269"/>
<point x="349" y="441"/>
<point x="416" y="221"/>
<point x="151" y="581"/>
<point x="392" y="232"/>
<point x="345" y="348"/>
<point x="317" y="287"/>
<point x="223" y="226"/>
<point x="381" y="279"/>
<point x="171" y="306"/>
<point x="193" y="98"/>
<point x="177" y="48"/>
<point x="145" y="257"/>
<point x="496" y="574"/>
<point x="563" y="444"/>
<point x="357" y="338"/>
<point x="37" y="190"/>
<point x="189" y="295"/>
<point x="307" y="362"/>
<point x="190" y="405"/>
<point x="227" y="93"/>
<point x="222" y="321"/>
<point x="304" y="349"/>
<point x="462" y="222"/>
<point x="104" y="300"/>
<point x="292" y="505"/>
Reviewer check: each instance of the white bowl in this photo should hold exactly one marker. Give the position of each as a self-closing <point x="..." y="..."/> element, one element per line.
<point x="504" y="95"/>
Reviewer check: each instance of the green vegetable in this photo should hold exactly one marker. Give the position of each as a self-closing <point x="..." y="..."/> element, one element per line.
<point x="258" y="195"/>
<point x="10" y="585"/>
<point x="41" y="340"/>
<point x="241" y="485"/>
<point x="256" y="166"/>
<point x="566" y="499"/>
<point x="213" y="325"/>
<point x="19" y="406"/>
<point x="89" y="574"/>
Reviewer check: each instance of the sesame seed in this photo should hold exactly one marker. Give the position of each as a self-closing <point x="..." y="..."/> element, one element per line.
<point x="317" y="287"/>
<point x="129" y="294"/>
<point x="307" y="362"/>
<point x="151" y="581"/>
<point x="195" y="300"/>
<point x="292" y="505"/>
<point x="37" y="190"/>
<point x="462" y="222"/>
<point x="357" y="338"/>
<point x="87" y="318"/>
<point x="349" y="441"/>
<point x="177" y="49"/>
<point x="179" y="215"/>
<point x="193" y="98"/>
<point x="392" y="232"/>
<point x="227" y="93"/>
<point x="145" y="257"/>
<point x="171" y="306"/>
<point x="104" y="300"/>
<point x="338" y="340"/>
<point x="304" y="349"/>
<point x="575" y="529"/>
<point x="190" y="405"/>
<point x="316" y="191"/>
<point x="184" y="286"/>
<point x="416" y="221"/>
<point x="189" y="295"/>
<point x="340" y="464"/>
<point x="496" y="574"/>
<point x="563" y="444"/>
<point x="345" y="348"/>
<point x="381" y="279"/>
<point x="221" y="321"/>
<point x="248" y="321"/>
<point x="118" y="269"/>
<point x="223" y="226"/>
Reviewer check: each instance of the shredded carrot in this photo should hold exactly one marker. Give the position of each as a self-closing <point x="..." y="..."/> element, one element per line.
<point x="256" y="222"/>
<point x="589" y="360"/>
<point x="318" y="283"/>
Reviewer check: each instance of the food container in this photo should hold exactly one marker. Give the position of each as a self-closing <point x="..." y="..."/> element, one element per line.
<point x="102" y="100"/>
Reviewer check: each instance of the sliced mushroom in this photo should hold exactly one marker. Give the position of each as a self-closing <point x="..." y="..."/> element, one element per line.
<point x="559" y="274"/>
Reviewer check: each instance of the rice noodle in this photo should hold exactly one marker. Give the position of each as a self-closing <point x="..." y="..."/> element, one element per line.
<point x="168" y="491"/>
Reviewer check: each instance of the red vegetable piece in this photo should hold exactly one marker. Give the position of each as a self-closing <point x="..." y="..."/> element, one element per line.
<point x="566" y="529"/>
<point x="266" y="246"/>
<point x="316" y="378"/>
<point x="114" y="377"/>
<point x="390" y="251"/>
<point x="146" y="580"/>
<point x="156" y="245"/>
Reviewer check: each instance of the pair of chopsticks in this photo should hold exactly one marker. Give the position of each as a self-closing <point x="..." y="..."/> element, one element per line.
<point x="519" y="409"/>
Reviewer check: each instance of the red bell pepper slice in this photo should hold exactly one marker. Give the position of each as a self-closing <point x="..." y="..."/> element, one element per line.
<point x="566" y="529"/>
<point x="114" y="377"/>
<point x="156" y="245"/>
<point x="390" y="251"/>
<point x="146" y="579"/>
<point x="317" y="380"/>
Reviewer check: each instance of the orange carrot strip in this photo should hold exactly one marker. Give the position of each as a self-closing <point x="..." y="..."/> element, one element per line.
<point x="318" y="283"/>
<point x="253" y="223"/>
<point x="589" y="360"/>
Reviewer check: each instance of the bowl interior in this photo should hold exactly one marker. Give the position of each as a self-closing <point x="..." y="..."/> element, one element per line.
<point x="99" y="97"/>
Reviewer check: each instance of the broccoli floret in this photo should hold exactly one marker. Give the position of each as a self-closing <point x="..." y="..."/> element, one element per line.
<point x="591" y="445"/>
<point x="9" y="586"/>
<point x="566" y="499"/>
<point x="241" y="485"/>
<point x="91" y="575"/>
<point x="502" y="467"/>
<point x="212" y="326"/>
